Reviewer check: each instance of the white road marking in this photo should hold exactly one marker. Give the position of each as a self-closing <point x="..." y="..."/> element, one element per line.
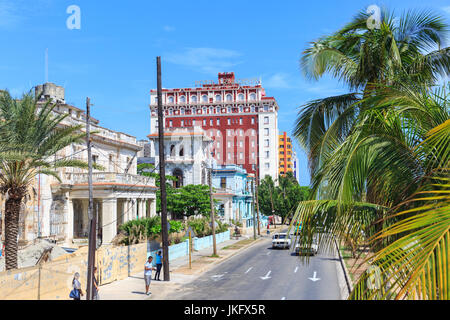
<point x="266" y="276"/>
<point x="249" y="269"/>
<point x="314" y="278"/>
<point x="284" y="298"/>
<point x="268" y="253"/>
<point x="296" y="268"/>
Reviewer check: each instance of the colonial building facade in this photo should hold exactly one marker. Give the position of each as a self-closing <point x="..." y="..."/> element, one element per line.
<point x="237" y="115"/>
<point x="59" y="210"/>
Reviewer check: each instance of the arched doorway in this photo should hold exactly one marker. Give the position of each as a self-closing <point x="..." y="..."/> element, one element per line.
<point x="178" y="174"/>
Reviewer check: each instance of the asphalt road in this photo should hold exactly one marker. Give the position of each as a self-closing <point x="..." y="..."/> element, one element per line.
<point x="263" y="273"/>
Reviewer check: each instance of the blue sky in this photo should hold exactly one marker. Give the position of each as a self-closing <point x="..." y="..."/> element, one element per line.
<point x="112" y="58"/>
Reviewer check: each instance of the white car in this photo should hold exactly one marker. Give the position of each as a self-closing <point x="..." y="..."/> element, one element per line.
<point x="281" y="240"/>
<point x="302" y="249"/>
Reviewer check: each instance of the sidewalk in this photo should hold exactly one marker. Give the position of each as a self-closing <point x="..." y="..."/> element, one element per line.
<point x="133" y="287"/>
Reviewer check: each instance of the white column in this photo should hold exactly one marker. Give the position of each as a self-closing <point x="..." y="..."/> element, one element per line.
<point x="109" y="215"/>
<point x="134" y="208"/>
<point x="152" y="206"/>
<point x="70" y="219"/>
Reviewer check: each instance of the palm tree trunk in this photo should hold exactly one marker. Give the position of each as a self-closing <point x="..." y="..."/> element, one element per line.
<point x="12" y="211"/>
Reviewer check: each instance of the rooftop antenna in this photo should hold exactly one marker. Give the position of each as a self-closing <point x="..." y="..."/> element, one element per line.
<point x="46" y="65"/>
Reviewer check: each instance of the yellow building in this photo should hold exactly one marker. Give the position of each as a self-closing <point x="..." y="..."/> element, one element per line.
<point x="285" y="162"/>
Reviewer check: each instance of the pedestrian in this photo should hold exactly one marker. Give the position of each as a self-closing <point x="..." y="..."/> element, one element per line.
<point x="158" y="265"/>
<point x="76" y="292"/>
<point x="95" y="289"/>
<point x="148" y="274"/>
<point x="268" y="228"/>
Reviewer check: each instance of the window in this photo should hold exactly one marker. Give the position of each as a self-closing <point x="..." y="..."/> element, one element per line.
<point x="218" y="97"/>
<point x="229" y="110"/>
<point x="229" y="133"/>
<point x="253" y="155"/>
<point x="170" y="111"/>
<point x="253" y="108"/>
<point x="182" y="123"/>
<point x="266" y="131"/>
<point x="211" y="122"/>
<point x="229" y="144"/>
<point x="240" y="97"/>
<point x="223" y="182"/>
<point x="253" y="120"/>
<point x="170" y="123"/>
<point x="229" y="97"/>
<point x="95" y="158"/>
<point x="241" y="109"/>
<point x="204" y="122"/>
<point x="172" y="150"/>
<point x="267" y="165"/>
<point x="181" y="154"/>
<point x="170" y="99"/>
<point x="266" y="108"/>
<point x="266" y="142"/>
<point x="218" y="121"/>
<point x="182" y="111"/>
<point x="253" y="143"/>
<point x="182" y="99"/>
<point x="267" y="154"/>
<point x="241" y="155"/>
<point x="240" y="120"/>
<point x="229" y="121"/>
<point x="204" y="110"/>
<point x="266" y="120"/>
<point x="193" y="122"/>
<point x="252" y="96"/>
<point x="194" y="99"/>
<point x="218" y="155"/>
<point x="253" y="132"/>
<point x="218" y="144"/>
<point x="241" y="143"/>
<point x="229" y="155"/>
<point x="204" y="98"/>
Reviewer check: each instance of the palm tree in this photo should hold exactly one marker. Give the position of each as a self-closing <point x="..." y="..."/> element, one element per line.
<point x="371" y="150"/>
<point x="30" y="134"/>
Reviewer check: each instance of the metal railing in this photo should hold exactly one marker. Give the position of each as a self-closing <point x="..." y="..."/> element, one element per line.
<point x="109" y="177"/>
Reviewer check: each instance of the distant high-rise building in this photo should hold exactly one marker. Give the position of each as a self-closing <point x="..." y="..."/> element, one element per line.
<point x="286" y="153"/>
<point x="237" y="115"/>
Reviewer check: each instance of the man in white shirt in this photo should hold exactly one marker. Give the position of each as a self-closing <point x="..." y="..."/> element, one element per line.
<point x="148" y="274"/>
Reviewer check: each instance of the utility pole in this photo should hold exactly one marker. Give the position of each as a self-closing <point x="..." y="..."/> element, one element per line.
<point x="162" y="175"/>
<point x="92" y="218"/>
<point x="213" y="222"/>
<point x="257" y="199"/>
<point x="254" y="211"/>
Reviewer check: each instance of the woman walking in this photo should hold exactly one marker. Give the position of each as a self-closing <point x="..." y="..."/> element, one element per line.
<point x="76" y="293"/>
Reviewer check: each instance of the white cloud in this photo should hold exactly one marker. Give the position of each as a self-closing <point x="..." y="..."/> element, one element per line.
<point x="278" y="80"/>
<point x="8" y="14"/>
<point x="206" y="60"/>
<point x="169" y="28"/>
<point x="446" y="9"/>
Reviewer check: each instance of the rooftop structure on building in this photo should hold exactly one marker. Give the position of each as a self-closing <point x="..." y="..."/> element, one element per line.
<point x="236" y="114"/>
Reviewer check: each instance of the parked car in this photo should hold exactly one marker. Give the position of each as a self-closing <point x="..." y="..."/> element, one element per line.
<point x="302" y="248"/>
<point x="281" y="240"/>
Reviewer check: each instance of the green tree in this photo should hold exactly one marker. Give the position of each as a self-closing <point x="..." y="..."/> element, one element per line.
<point x="379" y="154"/>
<point x="189" y="200"/>
<point x="30" y="136"/>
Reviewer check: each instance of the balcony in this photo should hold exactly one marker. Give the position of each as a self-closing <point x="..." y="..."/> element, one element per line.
<point x="109" y="178"/>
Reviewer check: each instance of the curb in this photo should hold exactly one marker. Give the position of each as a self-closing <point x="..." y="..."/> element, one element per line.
<point x="348" y="283"/>
<point x="211" y="265"/>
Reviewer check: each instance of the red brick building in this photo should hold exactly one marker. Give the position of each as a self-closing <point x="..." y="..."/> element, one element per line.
<point x="236" y="114"/>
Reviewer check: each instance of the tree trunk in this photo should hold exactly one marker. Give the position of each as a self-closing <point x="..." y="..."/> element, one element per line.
<point x="12" y="211"/>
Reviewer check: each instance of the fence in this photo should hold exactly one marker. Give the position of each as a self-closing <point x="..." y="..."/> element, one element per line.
<point x="53" y="280"/>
